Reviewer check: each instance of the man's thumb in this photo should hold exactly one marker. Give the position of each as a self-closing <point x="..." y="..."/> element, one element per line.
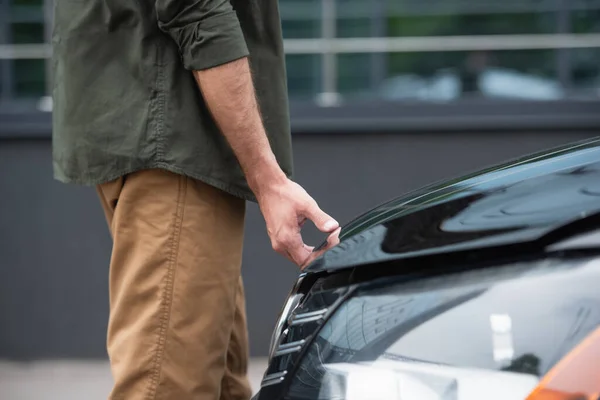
<point x="322" y="221"/>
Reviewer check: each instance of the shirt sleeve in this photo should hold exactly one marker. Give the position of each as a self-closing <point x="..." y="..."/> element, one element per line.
<point x="207" y="32"/>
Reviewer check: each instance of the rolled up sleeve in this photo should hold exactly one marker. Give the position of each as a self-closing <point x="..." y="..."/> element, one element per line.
<point x="207" y="32"/>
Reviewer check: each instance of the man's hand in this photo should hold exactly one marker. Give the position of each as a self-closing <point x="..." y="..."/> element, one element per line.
<point x="286" y="206"/>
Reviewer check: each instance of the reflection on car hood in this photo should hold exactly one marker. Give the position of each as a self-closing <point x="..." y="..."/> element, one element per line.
<point x="521" y="201"/>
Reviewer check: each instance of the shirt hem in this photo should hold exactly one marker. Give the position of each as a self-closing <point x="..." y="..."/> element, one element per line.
<point x="234" y="190"/>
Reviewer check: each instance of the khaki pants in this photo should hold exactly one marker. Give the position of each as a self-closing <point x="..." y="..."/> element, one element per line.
<point x="177" y="327"/>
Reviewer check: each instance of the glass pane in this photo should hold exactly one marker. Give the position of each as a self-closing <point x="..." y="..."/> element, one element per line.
<point x="301" y="19"/>
<point x="356" y="18"/>
<point x="32" y="12"/>
<point x="29" y="78"/>
<point x="585" y="21"/>
<point x="355" y="27"/>
<point x="27" y="33"/>
<point x="354" y="73"/>
<point x="471" y="24"/>
<point x="585" y="72"/>
<point x="301" y="29"/>
<point x="27" y="2"/>
<point x="444" y="76"/>
<point x="304" y="76"/>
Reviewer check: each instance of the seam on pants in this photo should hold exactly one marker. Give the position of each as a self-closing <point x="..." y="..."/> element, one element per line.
<point x="167" y="295"/>
<point x="227" y="387"/>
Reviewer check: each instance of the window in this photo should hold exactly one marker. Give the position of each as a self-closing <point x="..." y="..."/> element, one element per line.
<point x="444" y="49"/>
<point x="410" y="50"/>
<point x="22" y="22"/>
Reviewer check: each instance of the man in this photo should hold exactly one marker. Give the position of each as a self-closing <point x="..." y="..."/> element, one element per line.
<point x="155" y="104"/>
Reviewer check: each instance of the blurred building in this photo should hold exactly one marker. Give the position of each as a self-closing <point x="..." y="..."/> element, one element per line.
<point x="348" y="52"/>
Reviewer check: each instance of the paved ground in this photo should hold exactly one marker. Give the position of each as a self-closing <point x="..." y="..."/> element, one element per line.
<point x="71" y="380"/>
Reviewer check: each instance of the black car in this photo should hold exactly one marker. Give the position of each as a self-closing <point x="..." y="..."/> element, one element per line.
<point x="483" y="287"/>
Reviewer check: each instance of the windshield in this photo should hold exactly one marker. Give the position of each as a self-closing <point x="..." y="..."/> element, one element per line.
<point x="509" y="324"/>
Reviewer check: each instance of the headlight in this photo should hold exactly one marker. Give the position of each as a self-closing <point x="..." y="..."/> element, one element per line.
<point x="396" y="380"/>
<point x="483" y="334"/>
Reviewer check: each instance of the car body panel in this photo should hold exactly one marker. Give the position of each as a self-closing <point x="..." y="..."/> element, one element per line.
<point x="518" y="202"/>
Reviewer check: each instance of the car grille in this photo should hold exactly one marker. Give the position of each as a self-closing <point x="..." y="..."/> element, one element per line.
<point x="298" y="331"/>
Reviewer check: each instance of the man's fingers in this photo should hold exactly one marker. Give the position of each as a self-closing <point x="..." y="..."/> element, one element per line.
<point x="322" y="220"/>
<point x="299" y="254"/>
<point x="332" y="240"/>
<point x="308" y="248"/>
<point x="291" y="246"/>
<point x="289" y="243"/>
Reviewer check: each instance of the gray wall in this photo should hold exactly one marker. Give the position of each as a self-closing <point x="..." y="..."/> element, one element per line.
<point x="54" y="245"/>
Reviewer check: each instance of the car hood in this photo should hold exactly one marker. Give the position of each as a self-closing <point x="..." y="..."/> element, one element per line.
<point x="516" y="202"/>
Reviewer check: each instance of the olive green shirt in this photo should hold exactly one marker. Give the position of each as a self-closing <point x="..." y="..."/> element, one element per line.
<point x="125" y="98"/>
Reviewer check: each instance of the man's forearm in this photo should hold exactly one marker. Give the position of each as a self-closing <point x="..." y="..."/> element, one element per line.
<point x="229" y="93"/>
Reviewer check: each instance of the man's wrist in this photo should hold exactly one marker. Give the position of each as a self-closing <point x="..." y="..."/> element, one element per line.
<point x="265" y="174"/>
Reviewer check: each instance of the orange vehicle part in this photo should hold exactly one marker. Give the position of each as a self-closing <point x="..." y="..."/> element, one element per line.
<point x="576" y="376"/>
